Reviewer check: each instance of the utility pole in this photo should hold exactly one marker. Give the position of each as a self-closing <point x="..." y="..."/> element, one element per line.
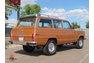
<point x="18" y="13"/>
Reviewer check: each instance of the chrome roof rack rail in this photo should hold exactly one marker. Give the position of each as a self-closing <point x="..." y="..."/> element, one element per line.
<point x="50" y="16"/>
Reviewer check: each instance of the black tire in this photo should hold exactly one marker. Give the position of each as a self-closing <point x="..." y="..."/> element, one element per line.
<point x="28" y="48"/>
<point x="51" y="44"/>
<point x="80" y="43"/>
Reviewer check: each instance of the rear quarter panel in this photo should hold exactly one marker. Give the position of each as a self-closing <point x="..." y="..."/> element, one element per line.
<point x="43" y="34"/>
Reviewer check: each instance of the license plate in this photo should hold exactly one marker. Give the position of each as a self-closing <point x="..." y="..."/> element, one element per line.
<point x="21" y="38"/>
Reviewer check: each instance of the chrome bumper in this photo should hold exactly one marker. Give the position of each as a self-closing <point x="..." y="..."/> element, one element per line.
<point x="29" y="43"/>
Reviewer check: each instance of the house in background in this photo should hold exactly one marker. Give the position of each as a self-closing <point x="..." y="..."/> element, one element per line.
<point x="9" y="24"/>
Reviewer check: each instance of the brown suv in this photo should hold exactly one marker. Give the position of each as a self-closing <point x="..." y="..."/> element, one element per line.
<point x="44" y="31"/>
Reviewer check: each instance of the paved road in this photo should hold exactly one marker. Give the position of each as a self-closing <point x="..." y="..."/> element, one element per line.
<point x="67" y="54"/>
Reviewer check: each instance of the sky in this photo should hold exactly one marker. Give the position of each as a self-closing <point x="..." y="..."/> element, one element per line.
<point x="72" y="10"/>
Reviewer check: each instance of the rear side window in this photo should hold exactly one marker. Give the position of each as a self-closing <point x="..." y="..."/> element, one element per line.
<point x="57" y="23"/>
<point x="47" y="23"/>
<point x="66" y="25"/>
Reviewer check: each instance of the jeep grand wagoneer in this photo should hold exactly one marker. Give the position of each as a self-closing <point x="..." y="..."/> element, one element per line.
<point x="47" y="32"/>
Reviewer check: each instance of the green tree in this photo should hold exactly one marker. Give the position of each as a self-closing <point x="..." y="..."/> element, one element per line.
<point x="75" y="25"/>
<point x="28" y="9"/>
<point x="87" y="24"/>
<point x="36" y="9"/>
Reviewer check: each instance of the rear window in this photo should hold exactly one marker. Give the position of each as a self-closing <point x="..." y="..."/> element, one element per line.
<point x="27" y="22"/>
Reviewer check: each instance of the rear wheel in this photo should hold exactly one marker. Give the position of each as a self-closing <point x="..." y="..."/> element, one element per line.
<point x="80" y="43"/>
<point x="28" y="48"/>
<point x="50" y="47"/>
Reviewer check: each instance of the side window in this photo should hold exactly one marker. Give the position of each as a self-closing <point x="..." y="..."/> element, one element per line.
<point x="66" y="25"/>
<point x="47" y="23"/>
<point x="40" y="24"/>
<point x="57" y="24"/>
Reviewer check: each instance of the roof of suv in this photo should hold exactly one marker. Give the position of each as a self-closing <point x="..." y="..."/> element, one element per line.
<point x="42" y="16"/>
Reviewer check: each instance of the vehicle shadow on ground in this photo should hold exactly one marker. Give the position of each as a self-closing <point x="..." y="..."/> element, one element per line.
<point x="39" y="52"/>
<point x="36" y="52"/>
<point x="65" y="48"/>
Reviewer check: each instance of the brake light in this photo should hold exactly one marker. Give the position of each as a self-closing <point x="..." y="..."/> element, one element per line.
<point x="33" y="36"/>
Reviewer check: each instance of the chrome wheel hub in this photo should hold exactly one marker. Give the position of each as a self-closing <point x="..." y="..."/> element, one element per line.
<point x="51" y="47"/>
<point x="80" y="43"/>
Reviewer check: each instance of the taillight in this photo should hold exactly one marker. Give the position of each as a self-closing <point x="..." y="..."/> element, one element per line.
<point x="33" y="36"/>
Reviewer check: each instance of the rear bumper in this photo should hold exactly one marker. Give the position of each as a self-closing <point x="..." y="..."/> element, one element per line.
<point x="29" y="43"/>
